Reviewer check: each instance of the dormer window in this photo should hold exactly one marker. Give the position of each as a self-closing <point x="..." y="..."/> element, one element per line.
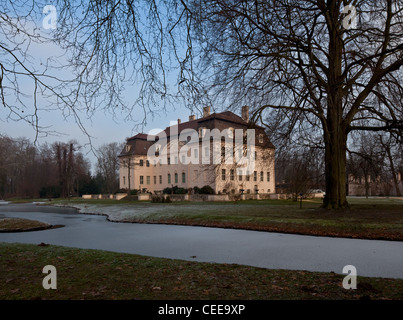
<point x="261" y="138"/>
<point x="128" y="147"/>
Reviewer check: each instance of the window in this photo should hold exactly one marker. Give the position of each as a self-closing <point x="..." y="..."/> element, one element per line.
<point x="176" y="177"/>
<point x="240" y="153"/>
<point x="176" y="160"/>
<point x="169" y="160"/>
<point x="247" y="176"/>
<point x="261" y="175"/>
<point x="207" y="151"/>
<point x="128" y="147"/>
<point x="223" y="174"/>
<point x="232" y="174"/>
<point x="148" y="179"/>
<point x="141" y="162"/>
<point x="268" y="176"/>
<point x="124" y="180"/>
<point x="183" y="177"/>
<point x="255" y="155"/>
<point x="169" y="178"/>
<point x="202" y="132"/>
<point x="196" y="153"/>
<point x="141" y="180"/>
<point x="160" y="179"/>
<point x="231" y="132"/>
<point x="254" y="175"/>
<point x="260" y="138"/>
<point x="155" y="179"/>
<point x="147" y="163"/>
<point x="240" y="177"/>
<point x="155" y="163"/>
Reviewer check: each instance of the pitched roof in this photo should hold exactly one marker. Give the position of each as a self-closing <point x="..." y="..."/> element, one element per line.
<point x="139" y="145"/>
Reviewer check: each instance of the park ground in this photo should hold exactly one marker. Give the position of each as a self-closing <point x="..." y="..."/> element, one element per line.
<point x="94" y="274"/>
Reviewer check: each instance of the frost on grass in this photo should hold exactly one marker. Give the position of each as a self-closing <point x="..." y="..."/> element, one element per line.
<point x="149" y="211"/>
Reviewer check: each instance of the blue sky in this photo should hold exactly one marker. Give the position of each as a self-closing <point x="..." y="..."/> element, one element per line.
<point x="102" y="127"/>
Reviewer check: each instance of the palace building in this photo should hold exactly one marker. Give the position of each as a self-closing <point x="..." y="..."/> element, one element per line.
<point x="221" y="150"/>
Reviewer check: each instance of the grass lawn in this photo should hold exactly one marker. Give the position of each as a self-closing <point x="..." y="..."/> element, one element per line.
<point x="22" y="225"/>
<point x="101" y="275"/>
<point x="94" y="275"/>
<point x="374" y="218"/>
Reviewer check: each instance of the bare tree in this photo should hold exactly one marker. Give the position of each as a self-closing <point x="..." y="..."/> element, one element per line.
<point x="300" y="61"/>
<point x="366" y="160"/>
<point x="393" y="150"/>
<point x="94" y="52"/>
<point x="304" y="63"/>
<point x="108" y="166"/>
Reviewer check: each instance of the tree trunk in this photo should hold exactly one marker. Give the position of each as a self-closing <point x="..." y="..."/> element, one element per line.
<point x="335" y="174"/>
<point x="335" y="133"/>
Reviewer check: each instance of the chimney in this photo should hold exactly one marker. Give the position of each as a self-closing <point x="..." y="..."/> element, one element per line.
<point x="192" y="117"/>
<point x="179" y="121"/>
<point x="206" y="112"/>
<point x="245" y="113"/>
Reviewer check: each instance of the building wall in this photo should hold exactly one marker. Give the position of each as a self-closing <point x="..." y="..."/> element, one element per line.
<point x="376" y="187"/>
<point x="198" y="174"/>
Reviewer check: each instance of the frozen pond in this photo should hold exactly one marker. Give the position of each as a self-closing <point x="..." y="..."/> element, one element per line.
<point x="260" y="249"/>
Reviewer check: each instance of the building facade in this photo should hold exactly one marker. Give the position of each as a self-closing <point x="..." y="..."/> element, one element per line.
<point x="221" y="150"/>
<point x="369" y="186"/>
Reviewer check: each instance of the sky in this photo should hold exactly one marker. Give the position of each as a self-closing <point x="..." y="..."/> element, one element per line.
<point x="102" y="127"/>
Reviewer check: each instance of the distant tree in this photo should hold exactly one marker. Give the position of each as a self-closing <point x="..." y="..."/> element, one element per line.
<point x="107" y="168"/>
<point x="299" y="170"/>
<point x="366" y="160"/>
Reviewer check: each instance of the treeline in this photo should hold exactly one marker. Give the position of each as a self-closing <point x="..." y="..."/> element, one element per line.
<point x="372" y="159"/>
<point x="54" y="170"/>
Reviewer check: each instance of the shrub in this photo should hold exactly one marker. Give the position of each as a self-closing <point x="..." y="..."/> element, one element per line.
<point x="176" y="190"/>
<point x="160" y="199"/>
<point x="50" y="192"/>
<point x="207" y="190"/>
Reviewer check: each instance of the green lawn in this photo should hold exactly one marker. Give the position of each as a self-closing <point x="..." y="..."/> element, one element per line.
<point x="374" y="218"/>
<point x="93" y="274"/>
